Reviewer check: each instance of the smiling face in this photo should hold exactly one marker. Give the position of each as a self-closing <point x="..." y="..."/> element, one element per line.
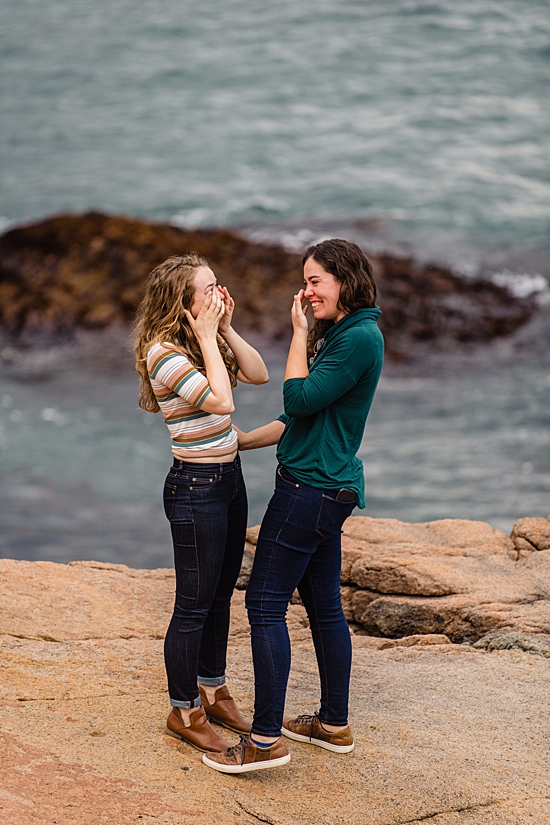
<point x="323" y="292"/>
<point x="204" y="283"/>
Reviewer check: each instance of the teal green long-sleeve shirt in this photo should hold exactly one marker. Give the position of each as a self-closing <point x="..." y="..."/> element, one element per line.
<point x="325" y="413"/>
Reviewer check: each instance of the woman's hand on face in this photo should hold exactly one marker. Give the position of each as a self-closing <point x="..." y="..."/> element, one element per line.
<point x="205" y="325"/>
<point x="229" y="303"/>
<point x="298" y="313"/>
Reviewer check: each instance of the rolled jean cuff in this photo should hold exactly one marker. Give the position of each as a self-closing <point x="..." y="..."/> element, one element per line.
<point x="180" y="703"/>
<point x="211" y="681"/>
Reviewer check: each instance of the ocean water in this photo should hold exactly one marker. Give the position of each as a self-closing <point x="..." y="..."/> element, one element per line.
<point x="417" y="126"/>
<point x="431" y="119"/>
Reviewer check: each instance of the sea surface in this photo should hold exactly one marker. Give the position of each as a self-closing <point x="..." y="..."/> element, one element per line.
<point x="417" y="127"/>
<point x="427" y="123"/>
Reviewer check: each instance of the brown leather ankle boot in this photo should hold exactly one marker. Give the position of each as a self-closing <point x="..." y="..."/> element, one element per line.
<point x="224" y="711"/>
<point x="199" y="733"/>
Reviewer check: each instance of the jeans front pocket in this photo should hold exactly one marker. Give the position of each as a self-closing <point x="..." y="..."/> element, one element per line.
<point x="332" y="515"/>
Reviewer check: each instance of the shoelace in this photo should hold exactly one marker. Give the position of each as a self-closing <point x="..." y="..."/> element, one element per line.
<point x="308" y="719"/>
<point x="242" y="746"/>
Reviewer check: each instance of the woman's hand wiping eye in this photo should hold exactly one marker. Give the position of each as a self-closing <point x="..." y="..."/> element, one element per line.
<point x="298" y="312"/>
<point x="229" y="306"/>
<point x="205" y="325"/>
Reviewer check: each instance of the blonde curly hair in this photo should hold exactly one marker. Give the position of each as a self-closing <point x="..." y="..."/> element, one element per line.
<point x="169" y="289"/>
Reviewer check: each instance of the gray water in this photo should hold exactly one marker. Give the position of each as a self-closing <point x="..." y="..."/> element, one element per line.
<point x="422" y="127"/>
<point x="83" y="468"/>
<point x="433" y="118"/>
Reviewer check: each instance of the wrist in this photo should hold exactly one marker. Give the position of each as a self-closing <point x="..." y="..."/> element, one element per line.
<point x="207" y="338"/>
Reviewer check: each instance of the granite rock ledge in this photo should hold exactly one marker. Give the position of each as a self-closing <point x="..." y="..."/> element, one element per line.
<point x="455" y="577"/>
<point x="453" y="734"/>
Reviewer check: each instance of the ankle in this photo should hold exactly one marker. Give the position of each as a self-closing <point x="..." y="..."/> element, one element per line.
<point x="332" y="728"/>
<point x="263" y="741"/>
<point x="209" y="692"/>
<point x="186" y="715"/>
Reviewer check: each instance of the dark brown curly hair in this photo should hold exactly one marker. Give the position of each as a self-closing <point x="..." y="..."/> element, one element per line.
<point x="352" y="269"/>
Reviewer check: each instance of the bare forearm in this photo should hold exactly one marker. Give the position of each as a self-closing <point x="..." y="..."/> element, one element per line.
<point x="218" y="378"/>
<point x="249" y="360"/>
<point x="296" y="364"/>
<point x="264" y="436"/>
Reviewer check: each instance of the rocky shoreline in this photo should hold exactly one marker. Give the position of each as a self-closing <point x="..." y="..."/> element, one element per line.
<point x="450" y="619"/>
<point x="459" y="578"/>
<point x="454" y="733"/>
<point x="69" y="273"/>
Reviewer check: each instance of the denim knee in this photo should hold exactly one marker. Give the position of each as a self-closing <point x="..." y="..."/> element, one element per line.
<point x="190" y="620"/>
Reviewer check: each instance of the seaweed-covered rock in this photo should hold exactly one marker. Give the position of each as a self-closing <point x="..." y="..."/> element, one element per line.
<point x="70" y="272"/>
<point x="88" y="271"/>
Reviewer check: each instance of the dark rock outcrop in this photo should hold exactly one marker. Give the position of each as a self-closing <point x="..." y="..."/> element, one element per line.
<point x="88" y="271"/>
<point x="70" y="272"/>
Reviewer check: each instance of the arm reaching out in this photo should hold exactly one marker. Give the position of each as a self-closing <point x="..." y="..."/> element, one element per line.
<point x="264" y="436"/>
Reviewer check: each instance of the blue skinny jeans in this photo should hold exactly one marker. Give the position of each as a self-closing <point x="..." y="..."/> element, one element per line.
<point x="299" y="545"/>
<point x="206" y="506"/>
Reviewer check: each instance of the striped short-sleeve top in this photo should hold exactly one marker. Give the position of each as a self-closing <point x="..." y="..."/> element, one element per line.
<point x="181" y="390"/>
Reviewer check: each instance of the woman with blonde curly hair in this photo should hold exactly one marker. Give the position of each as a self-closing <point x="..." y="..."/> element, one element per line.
<point x="189" y="358"/>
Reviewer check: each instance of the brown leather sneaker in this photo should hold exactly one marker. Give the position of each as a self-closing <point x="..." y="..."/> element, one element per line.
<point x="309" y="729"/>
<point x="199" y="734"/>
<point x="246" y="756"/>
<point x="224" y="711"/>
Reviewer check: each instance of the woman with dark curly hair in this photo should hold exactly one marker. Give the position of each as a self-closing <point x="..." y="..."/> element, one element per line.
<point x="330" y="380"/>
<point x="189" y="358"/>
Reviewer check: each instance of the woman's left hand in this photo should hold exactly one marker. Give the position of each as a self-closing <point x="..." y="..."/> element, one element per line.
<point x="298" y="313"/>
<point x="225" y="321"/>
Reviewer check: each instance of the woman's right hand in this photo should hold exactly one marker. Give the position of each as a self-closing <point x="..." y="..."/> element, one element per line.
<point x="265" y="436"/>
<point x="205" y="325"/>
<point x="298" y="313"/>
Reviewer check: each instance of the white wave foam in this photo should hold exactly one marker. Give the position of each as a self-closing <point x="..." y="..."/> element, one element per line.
<point x="523" y="285"/>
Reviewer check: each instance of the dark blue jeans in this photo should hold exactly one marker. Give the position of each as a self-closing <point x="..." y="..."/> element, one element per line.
<point x="207" y="508"/>
<point x="299" y="546"/>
